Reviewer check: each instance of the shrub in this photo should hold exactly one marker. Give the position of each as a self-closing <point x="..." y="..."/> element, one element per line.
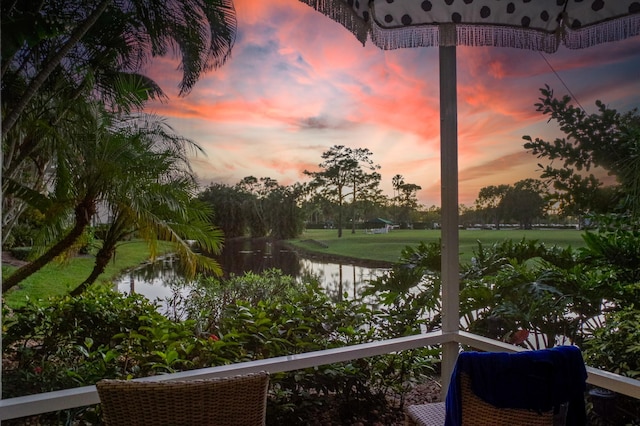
<point x="615" y="346"/>
<point x="103" y="334"/>
<point x="25" y="232"/>
<point x="271" y="315"/>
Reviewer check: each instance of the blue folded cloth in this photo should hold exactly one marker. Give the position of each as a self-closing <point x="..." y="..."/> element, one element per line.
<point x="535" y="380"/>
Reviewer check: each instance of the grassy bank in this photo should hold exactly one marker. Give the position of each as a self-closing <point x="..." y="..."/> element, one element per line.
<point x="58" y="279"/>
<point x="387" y="247"/>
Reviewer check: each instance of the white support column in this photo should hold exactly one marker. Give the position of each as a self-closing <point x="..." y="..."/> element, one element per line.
<point x="449" y="198"/>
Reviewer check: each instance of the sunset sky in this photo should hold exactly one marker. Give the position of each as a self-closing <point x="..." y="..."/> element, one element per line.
<point x="298" y="83"/>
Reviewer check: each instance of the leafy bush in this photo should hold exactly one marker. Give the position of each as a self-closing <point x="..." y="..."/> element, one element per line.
<point x="103" y="334"/>
<point x="617" y="252"/>
<point x="208" y="296"/>
<point x="615" y="346"/>
<point x="271" y="315"/>
<point x="521" y="292"/>
<point x="25" y="231"/>
<point x="99" y="314"/>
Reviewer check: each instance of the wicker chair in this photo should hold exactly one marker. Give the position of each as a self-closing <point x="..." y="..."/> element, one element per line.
<point x="553" y="378"/>
<point x="475" y="412"/>
<point x="227" y="401"/>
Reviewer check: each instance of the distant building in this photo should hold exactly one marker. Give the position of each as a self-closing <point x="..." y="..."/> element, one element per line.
<point x="378" y="226"/>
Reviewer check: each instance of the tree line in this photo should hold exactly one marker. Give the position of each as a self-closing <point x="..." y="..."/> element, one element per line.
<point x="345" y="190"/>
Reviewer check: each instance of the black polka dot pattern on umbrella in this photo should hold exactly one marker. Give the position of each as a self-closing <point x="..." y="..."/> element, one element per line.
<point x="542" y="25"/>
<point x="542" y="15"/>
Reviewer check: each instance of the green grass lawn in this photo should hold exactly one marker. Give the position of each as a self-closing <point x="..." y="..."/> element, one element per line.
<point x="58" y="279"/>
<point x="387" y="247"/>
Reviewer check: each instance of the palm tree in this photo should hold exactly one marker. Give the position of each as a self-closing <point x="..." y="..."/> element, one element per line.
<point x="56" y="54"/>
<point x="110" y="160"/>
<point x="42" y="38"/>
<point x="160" y="211"/>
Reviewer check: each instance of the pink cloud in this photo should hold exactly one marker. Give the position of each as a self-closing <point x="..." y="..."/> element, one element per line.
<point x="298" y="83"/>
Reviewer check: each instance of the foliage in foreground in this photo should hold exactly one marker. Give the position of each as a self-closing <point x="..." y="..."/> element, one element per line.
<point x="521" y="292"/>
<point x="75" y="341"/>
<point x="528" y="294"/>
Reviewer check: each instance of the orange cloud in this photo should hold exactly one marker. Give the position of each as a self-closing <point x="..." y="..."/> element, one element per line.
<point x="298" y="83"/>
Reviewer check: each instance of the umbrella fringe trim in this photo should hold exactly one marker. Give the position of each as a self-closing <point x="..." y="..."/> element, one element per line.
<point x="465" y="35"/>
<point x="341" y="13"/>
<point x="504" y="36"/>
<point x="604" y="32"/>
<point x="426" y="35"/>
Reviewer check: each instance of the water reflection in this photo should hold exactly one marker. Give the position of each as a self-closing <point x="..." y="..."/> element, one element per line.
<point x="156" y="281"/>
<point x="243" y="255"/>
<point x="340" y="279"/>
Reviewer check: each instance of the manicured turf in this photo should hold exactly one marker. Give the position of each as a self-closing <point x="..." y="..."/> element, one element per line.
<point x="58" y="279"/>
<point x="387" y="247"/>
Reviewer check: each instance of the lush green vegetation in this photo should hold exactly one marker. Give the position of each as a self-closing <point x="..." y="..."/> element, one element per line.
<point x="76" y="141"/>
<point x="78" y="340"/>
<point x="256" y="208"/>
<point x="387" y="247"/>
<point x="523" y="292"/>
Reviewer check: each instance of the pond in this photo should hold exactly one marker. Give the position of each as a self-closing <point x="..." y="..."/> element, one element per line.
<point x="154" y="280"/>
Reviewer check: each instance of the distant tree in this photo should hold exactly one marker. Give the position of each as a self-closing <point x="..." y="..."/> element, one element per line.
<point x="396" y="182"/>
<point x="405" y="198"/>
<point x="524" y="202"/>
<point x="373" y="203"/>
<point x="317" y="208"/>
<point x="488" y="201"/>
<point x="255" y="207"/>
<point x="607" y="140"/>
<point x="343" y="174"/>
<point x="469" y="215"/>
<point x="227" y="205"/>
<point x="285" y="216"/>
<point x="365" y="187"/>
<point x="432" y="216"/>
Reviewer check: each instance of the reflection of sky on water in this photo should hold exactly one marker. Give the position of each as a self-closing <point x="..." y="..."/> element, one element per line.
<point x="157" y="281"/>
<point x="153" y="281"/>
<point x="340" y="279"/>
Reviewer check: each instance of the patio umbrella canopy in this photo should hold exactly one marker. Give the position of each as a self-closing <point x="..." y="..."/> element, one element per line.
<point x="538" y="25"/>
<point x="541" y="25"/>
